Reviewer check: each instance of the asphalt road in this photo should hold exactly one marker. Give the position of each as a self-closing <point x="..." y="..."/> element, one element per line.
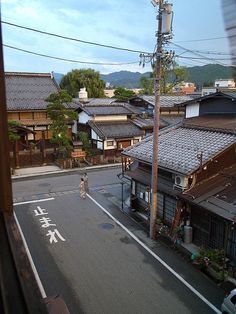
<point x="91" y="261"/>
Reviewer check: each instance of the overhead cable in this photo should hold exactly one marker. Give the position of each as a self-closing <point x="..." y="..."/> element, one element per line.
<point x="67" y="60"/>
<point x="72" y="39"/>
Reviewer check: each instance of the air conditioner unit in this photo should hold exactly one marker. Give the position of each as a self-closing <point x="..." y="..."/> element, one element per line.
<point x="181" y="182"/>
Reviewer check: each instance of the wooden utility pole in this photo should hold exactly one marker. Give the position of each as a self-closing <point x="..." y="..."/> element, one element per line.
<point x="164" y="32"/>
<point x="153" y="211"/>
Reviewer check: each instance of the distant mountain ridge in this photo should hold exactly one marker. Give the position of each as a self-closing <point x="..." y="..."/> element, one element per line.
<point x="200" y="75"/>
<point x="124" y="78"/>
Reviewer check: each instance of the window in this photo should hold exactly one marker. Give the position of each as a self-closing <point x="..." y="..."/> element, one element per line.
<point x="110" y="143"/>
<point x="142" y="192"/>
<point x="170" y="205"/>
<point x="135" y="141"/>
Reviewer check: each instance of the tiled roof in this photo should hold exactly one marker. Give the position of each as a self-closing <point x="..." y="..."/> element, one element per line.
<point x="165" y="120"/>
<point x="28" y="91"/>
<point x="115" y="129"/>
<point x="106" y="110"/>
<point x="166" y="101"/>
<point x="180" y="147"/>
<point x="143" y="123"/>
<point x="224" y="123"/>
<point x="31" y="122"/>
<point x="107" y="106"/>
<point x="226" y="94"/>
<point x="131" y="108"/>
<point x="230" y="94"/>
<point x="100" y="101"/>
<point x="216" y="194"/>
<point x="171" y="119"/>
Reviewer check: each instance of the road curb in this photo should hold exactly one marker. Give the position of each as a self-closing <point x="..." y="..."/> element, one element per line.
<point x="63" y="172"/>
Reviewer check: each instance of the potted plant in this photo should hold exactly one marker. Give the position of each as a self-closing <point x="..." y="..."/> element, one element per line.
<point x="211" y="261"/>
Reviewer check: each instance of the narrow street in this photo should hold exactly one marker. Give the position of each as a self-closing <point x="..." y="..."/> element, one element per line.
<point x="97" y="258"/>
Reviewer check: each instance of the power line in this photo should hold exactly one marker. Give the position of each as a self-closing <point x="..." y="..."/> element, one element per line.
<point x="72" y="39"/>
<point x="197" y="54"/>
<point x="211" y="52"/>
<point x="67" y="60"/>
<point x="204" y="58"/>
<point x="203" y="39"/>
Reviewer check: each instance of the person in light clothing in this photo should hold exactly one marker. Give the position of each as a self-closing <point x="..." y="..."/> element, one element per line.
<point x="82" y="191"/>
<point x="85" y="177"/>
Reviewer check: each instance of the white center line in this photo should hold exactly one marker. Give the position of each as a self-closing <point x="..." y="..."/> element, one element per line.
<point x="34" y="201"/>
<point x="158" y="259"/>
<point x="37" y="278"/>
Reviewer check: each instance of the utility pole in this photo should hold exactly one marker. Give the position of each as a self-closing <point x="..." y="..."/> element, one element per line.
<point x="164" y="18"/>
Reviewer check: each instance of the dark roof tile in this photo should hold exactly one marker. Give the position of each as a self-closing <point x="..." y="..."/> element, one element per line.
<point x="115" y="129"/>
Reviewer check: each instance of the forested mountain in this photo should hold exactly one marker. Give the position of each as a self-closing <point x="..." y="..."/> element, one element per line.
<point x="200" y="75"/>
<point x="124" y="78"/>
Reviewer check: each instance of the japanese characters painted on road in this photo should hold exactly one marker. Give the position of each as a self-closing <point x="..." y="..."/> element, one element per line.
<point x="46" y="222"/>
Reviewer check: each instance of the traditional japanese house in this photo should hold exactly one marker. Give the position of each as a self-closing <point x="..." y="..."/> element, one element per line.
<point x="196" y="171"/>
<point x="169" y="113"/>
<point x="110" y="126"/>
<point x="25" y="95"/>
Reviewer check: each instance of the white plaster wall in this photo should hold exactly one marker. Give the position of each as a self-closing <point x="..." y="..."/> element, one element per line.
<point x="110" y="147"/>
<point x="83" y="117"/>
<point x="135" y="138"/>
<point x="74" y="127"/>
<point x="94" y="136"/>
<point x="100" y="145"/>
<point x="192" y="110"/>
<point x="110" y="118"/>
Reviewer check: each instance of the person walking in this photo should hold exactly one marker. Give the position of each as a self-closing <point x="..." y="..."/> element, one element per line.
<point x="82" y="191"/>
<point x="85" y="177"/>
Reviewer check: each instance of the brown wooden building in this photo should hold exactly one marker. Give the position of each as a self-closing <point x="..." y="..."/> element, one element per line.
<point x="26" y="94"/>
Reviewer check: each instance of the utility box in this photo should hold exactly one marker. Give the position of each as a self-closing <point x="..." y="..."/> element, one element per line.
<point x="167" y="17"/>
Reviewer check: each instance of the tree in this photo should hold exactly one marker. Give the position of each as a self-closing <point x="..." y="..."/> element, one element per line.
<point x="83" y="136"/>
<point x="123" y="94"/>
<point x="171" y="75"/>
<point x="12" y="131"/>
<point x="147" y="85"/>
<point x="73" y="81"/>
<point x="60" y="117"/>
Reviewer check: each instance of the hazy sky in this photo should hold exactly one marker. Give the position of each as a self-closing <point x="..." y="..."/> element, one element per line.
<point x="124" y="23"/>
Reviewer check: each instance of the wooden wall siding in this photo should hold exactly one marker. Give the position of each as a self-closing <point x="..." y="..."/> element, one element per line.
<point x="226" y="159"/>
<point x="40" y="115"/>
<point x="13" y="116"/>
<point x="231" y="248"/>
<point x="33" y="158"/>
<point x="38" y="135"/>
<point x="208" y="229"/>
<point x="48" y="135"/>
<point x="217" y="105"/>
<point x="123" y="144"/>
<point x="26" y="115"/>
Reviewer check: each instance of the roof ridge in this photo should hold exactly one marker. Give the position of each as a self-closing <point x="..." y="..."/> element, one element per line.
<point x="28" y="74"/>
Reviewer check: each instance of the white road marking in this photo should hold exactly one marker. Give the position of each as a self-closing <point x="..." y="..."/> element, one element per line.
<point x="34" y="201"/>
<point x="158" y="259"/>
<point x="41" y="288"/>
